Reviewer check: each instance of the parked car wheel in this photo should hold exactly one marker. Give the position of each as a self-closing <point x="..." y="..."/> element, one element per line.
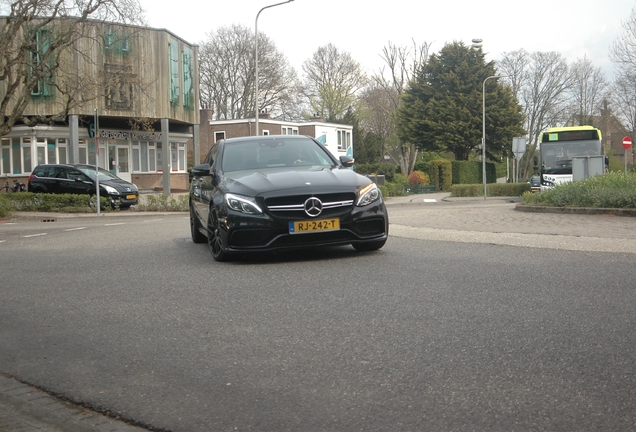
<point x="215" y="242"/>
<point x="195" y="228"/>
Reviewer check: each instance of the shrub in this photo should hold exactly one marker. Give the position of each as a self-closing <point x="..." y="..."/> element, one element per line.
<point x="5" y="207"/>
<point x="415" y="179"/>
<point x="614" y="189"/>
<point x="164" y="202"/>
<point x="441" y="174"/>
<point x="418" y="178"/>
<point x="388" y="171"/>
<point x="492" y="189"/>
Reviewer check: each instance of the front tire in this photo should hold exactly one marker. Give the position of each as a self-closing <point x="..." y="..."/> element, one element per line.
<point x="215" y="241"/>
<point x="195" y="227"/>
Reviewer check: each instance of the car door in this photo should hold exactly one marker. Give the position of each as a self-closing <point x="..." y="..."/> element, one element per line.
<point x="50" y="179"/>
<point x="201" y="187"/>
<point x="77" y="182"/>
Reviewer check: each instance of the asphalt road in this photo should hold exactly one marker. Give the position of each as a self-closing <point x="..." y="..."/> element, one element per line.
<point x="445" y="328"/>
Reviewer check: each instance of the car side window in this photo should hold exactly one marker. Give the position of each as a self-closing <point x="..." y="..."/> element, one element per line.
<point x="48" y="172"/>
<point x="76" y="175"/>
<point x="211" y="156"/>
<point x="60" y="172"/>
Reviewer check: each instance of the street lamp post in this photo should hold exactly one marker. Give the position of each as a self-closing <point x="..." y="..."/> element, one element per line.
<point x="256" y="60"/>
<point x="483" y="136"/>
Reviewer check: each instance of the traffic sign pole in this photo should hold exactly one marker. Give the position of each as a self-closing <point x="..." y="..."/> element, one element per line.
<point x="627" y="143"/>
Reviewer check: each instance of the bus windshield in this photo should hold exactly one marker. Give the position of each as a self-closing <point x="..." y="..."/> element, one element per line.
<point x="556" y="157"/>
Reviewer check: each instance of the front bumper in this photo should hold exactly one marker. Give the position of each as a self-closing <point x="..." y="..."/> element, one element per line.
<point x="124" y="200"/>
<point x="242" y="233"/>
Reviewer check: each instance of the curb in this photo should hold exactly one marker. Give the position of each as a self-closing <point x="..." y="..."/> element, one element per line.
<point x="26" y="408"/>
<point x="576" y="210"/>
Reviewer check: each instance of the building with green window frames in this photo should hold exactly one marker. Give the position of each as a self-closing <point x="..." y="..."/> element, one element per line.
<point x="130" y="102"/>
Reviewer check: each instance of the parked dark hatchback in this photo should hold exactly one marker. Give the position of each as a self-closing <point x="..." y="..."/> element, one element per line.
<point x="80" y="179"/>
<point x="535" y="183"/>
<point x="268" y="193"/>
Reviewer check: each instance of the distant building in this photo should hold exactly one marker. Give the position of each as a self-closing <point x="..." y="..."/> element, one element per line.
<point x="147" y="105"/>
<point x="337" y="138"/>
<point x="613" y="133"/>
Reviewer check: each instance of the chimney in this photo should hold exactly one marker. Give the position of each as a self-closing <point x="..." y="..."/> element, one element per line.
<point x="316" y="118"/>
<point x="205" y="114"/>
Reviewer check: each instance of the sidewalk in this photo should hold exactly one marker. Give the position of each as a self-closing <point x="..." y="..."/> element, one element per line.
<point x="26" y="409"/>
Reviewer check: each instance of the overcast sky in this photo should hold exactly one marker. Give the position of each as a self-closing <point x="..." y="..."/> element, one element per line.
<point x="574" y="28"/>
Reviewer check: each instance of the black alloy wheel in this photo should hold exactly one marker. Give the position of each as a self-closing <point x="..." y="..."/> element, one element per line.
<point x="215" y="242"/>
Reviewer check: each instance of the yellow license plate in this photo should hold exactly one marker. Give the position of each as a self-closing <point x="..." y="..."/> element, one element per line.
<point x="131" y="196"/>
<point x="302" y="227"/>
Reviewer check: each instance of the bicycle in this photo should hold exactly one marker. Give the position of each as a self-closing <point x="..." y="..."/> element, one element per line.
<point x="17" y="187"/>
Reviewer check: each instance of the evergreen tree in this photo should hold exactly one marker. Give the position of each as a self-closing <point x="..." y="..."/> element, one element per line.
<point x="442" y="108"/>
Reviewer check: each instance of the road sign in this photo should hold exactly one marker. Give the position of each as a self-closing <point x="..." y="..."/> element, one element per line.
<point x="627" y="142"/>
<point x="519" y="147"/>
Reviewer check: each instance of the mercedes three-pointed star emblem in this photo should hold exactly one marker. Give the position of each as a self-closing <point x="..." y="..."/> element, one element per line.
<point x="313" y="207"/>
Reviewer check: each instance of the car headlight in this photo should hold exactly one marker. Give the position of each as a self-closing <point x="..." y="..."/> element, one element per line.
<point x="368" y="194"/>
<point x="242" y="204"/>
<point x="110" y="190"/>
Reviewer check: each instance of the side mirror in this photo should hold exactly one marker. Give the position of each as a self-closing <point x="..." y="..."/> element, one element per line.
<point x="201" y="170"/>
<point x="347" y="161"/>
<point x="536" y="163"/>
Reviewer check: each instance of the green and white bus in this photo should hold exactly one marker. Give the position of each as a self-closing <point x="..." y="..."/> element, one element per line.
<point x="560" y="145"/>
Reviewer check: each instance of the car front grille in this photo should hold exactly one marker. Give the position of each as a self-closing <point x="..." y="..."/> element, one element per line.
<point x="293" y="207"/>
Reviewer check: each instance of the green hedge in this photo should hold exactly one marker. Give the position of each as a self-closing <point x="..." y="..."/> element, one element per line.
<point x="386" y="169"/>
<point x="67" y="203"/>
<point x="441" y="174"/>
<point x="611" y="190"/>
<point x="470" y="172"/>
<point x="492" y="189"/>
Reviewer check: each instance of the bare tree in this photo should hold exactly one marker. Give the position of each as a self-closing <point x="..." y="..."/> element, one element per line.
<point x="384" y="97"/>
<point x="332" y="82"/>
<point x="39" y="41"/>
<point x="623" y="55"/>
<point x="227" y="74"/>
<point x="623" y="97"/>
<point x="514" y="66"/>
<point x="376" y="115"/>
<point x="623" y="50"/>
<point x="542" y="81"/>
<point x="589" y="90"/>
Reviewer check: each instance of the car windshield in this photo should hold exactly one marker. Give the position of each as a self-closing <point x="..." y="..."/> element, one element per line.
<point x="103" y="174"/>
<point x="275" y="153"/>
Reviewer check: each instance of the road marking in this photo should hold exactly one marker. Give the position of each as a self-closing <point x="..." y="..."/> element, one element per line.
<point x="115" y="224"/>
<point x="426" y="200"/>
<point x="34" y="235"/>
<point x="76" y="229"/>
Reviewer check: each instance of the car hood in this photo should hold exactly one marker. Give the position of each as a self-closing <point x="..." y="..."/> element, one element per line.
<point x="120" y="185"/>
<point x="274" y="182"/>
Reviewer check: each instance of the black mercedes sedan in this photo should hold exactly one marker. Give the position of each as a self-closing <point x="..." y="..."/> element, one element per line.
<point x="278" y="192"/>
